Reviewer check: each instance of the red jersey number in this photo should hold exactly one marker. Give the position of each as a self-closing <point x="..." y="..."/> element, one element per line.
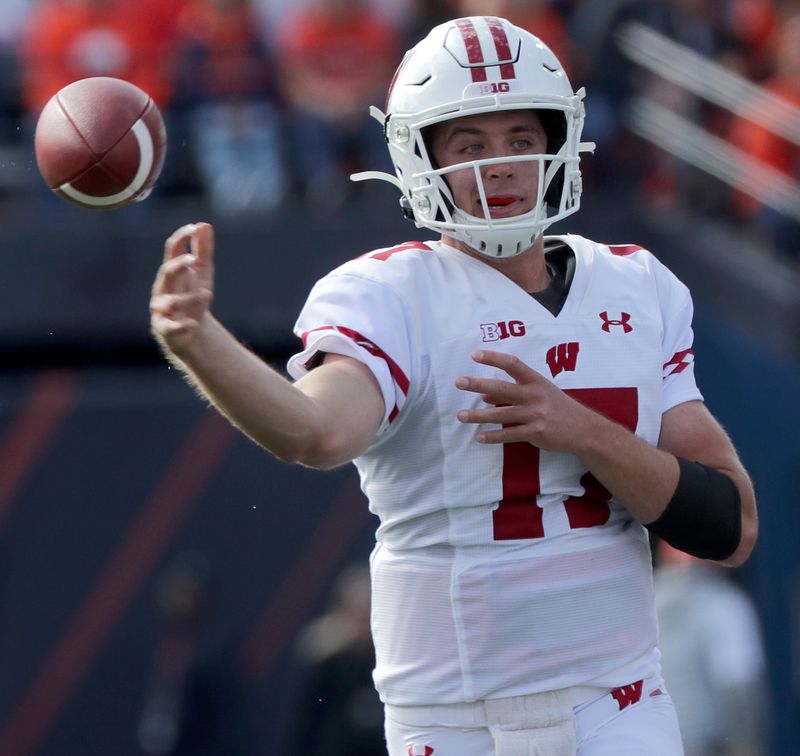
<point x="519" y="514"/>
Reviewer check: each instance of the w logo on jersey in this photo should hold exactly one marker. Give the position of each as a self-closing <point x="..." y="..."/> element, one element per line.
<point x="562" y="357"/>
<point x="628" y="694"/>
<point x="428" y="751"/>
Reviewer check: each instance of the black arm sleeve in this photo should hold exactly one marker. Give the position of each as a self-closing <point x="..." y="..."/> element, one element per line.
<point x="704" y="515"/>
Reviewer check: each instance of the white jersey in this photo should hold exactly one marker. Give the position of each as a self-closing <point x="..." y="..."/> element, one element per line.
<point x="503" y="570"/>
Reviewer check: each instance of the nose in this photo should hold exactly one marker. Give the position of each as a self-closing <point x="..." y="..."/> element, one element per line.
<point x="499" y="170"/>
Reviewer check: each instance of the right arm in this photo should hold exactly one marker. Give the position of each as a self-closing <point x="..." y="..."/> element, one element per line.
<point x="325" y="419"/>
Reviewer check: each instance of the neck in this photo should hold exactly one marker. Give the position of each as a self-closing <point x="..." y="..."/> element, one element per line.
<point x="527" y="269"/>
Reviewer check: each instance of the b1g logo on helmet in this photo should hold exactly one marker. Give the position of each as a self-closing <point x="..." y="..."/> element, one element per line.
<point x="483" y="89"/>
<point x="495" y="87"/>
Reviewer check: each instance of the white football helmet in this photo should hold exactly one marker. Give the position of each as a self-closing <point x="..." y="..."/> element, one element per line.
<point x="479" y="65"/>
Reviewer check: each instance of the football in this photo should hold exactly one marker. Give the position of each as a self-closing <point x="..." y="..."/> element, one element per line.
<point x="100" y="143"/>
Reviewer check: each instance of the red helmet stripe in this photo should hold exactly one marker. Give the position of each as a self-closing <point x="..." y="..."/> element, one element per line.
<point x="501" y="45"/>
<point x="394" y="79"/>
<point x="473" y="45"/>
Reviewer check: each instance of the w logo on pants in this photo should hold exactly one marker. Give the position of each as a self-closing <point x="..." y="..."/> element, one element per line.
<point x="628" y="694"/>
<point x="428" y="751"/>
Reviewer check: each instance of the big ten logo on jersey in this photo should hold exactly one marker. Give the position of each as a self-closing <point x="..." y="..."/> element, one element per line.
<point x="505" y="329"/>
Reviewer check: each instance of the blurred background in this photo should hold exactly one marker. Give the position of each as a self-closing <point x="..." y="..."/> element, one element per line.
<point x="168" y="588"/>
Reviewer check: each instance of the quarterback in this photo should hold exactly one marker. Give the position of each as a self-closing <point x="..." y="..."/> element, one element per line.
<point x="521" y="409"/>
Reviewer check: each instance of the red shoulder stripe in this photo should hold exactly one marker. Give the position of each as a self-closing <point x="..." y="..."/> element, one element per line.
<point x="622" y="250"/>
<point x="679" y="362"/>
<point x="399" y="377"/>
<point x="387" y="253"/>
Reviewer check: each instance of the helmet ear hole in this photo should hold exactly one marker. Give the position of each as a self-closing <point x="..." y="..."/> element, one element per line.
<point x="552" y="196"/>
<point x="426" y="135"/>
<point x="554" y="124"/>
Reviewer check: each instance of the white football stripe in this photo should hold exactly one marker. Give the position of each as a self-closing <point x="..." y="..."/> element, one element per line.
<point x="146" y="157"/>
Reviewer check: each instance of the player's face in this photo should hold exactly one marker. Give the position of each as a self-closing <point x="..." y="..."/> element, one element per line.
<point x="511" y="188"/>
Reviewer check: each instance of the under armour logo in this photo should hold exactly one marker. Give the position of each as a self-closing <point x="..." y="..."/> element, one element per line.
<point x="623" y="321"/>
<point x="628" y="694"/>
<point x="428" y="751"/>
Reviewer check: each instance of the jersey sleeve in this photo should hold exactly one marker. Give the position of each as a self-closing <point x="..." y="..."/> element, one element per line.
<point x="677" y="310"/>
<point x="355" y="316"/>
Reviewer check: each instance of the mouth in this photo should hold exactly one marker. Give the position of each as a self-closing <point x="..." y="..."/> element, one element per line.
<point x="503" y="206"/>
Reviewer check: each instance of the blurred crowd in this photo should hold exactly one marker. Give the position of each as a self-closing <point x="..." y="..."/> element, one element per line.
<point x="267" y="101"/>
<point x="713" y="656"/>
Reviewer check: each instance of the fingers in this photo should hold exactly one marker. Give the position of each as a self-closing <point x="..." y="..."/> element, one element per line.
<point x="176" y="275"/>
<point x="494" y="391"/>
<point x="513" y="435"/>
<point x="188" y="260"/>
<point x="179" y="242"/>
<point x="202" y="243"/>
<point x="194" y="238"/>
<point x="168" y="329"/>
<point x="499" y="389"/>
<point x="516" y="424"/>
<point x="514" y="402"/>
<point x="182" y="290"/>
<point x="488" y="415"/>
<point x="515" y="428"/>
<point x="179" y="305"/>
<point x="174" y="315"/>
<point x="508" y="363"/>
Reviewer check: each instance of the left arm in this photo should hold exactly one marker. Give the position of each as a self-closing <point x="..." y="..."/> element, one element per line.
<point x="641" y="477"/>
<point x="690" y="431"/>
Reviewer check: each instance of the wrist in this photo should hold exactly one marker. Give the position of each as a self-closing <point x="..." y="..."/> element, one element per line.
<point x="193" y="346"/>
<point x="639" y="476"/>
<point x="593" y="435"/>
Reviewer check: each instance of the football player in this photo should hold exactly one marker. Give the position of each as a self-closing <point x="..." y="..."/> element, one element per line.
<point x="521" y="408"/>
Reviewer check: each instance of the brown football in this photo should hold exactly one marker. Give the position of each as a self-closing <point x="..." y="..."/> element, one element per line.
<point x="100" y="143"/>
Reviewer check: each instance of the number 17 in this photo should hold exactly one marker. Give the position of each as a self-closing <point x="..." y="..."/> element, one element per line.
<point x="519" y="514"/>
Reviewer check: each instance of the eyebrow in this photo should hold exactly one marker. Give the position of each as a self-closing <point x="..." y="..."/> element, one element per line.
<point x="475" y="131"/>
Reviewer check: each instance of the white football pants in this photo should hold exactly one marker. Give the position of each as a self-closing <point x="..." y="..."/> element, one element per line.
<point x="635" y="720"/>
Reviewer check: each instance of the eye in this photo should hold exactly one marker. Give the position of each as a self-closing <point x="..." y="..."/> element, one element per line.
<point x="522" y="144"/>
